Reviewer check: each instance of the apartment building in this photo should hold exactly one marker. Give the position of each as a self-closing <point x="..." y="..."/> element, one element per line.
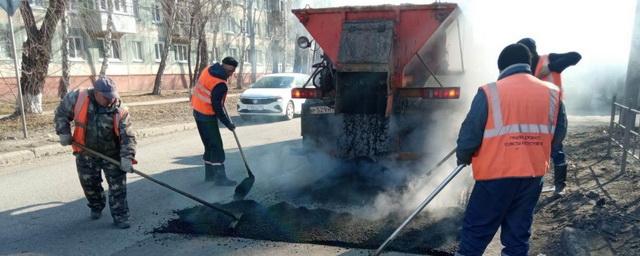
<point x="138" y="37"/>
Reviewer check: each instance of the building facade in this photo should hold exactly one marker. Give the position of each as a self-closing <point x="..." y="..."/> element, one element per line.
<point x="138" y="36"/>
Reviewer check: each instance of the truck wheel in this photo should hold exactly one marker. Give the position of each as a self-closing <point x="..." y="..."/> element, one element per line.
<point x="289" y="111"/>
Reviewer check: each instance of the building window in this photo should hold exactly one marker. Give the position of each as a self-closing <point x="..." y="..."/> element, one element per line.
<point x="181" y="53"/>
<point x="137" y="51"/>
<point x="103" y="4"/>
<point x="6" y="52"/>
<point x="233" y="52"/>
<point x="247" y="56"/>
<point x="115" y="48"/>
<point x="230" y="25"/>
<point x="120" y="5"/>
<point x="37" y="3"/>
<point x="76" y="48"/>
<point x="158" y="50"/>
<point x="74" y="5"/>
<point x="215" y="55"/>
<point x="259" y="57"/>
<point x="136" y="8"/>
<point x="156" y="11"/>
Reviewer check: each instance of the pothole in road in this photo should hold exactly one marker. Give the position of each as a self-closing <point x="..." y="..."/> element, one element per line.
<point x="287" y="223"/>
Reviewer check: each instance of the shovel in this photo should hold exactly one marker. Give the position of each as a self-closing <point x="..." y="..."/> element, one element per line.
<point x="245" y="186"/>
<point x="236" y="218"/>
<point x="419" y="209"/>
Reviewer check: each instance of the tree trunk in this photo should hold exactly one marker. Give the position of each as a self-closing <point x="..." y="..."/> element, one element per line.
<point x="275" y="53"/>
<point x="107" y="39"/>
<point x="170" y="8"/>
<point x="243" y="47"/>
<point x="201" y="53"/>
<point x="194" y="14"/>
<point x="63" y="87"/>
<point x="252" y="42"/>
<point x="285" y="40"/>
<point x="36" y="53"/>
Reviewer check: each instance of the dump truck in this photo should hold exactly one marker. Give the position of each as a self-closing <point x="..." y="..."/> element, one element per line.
<point x="385" y="70"/>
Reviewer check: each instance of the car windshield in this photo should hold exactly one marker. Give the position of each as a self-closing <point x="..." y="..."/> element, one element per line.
<point x="273" y="82"/>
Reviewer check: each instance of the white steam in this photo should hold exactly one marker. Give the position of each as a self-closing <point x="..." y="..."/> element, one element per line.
<point x="599" y="31"/>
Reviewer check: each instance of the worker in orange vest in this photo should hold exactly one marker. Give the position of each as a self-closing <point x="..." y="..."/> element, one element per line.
<point x="100" y="123"/>
<point x="506" y="138"/>
<point x="549" y="68"/>
<point x="207" y="99"/>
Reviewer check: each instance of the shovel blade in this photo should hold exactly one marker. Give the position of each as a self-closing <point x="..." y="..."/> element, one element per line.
<point x="243" y="188"/>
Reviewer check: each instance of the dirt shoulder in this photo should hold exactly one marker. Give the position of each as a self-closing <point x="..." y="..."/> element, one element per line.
<point x="41" y="129"/>
<point x="602" y="204"/>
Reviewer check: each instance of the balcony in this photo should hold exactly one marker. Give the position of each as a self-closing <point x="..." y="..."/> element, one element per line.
<point x="123" y="23"/>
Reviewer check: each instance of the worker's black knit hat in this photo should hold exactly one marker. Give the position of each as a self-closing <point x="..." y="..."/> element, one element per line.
<point x="529" y="43"/>
<point x="514" y="54"/>
<point x="230" y="61"/>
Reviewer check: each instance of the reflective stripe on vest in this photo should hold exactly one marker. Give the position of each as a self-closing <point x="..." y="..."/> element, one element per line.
<point x="201" y="95"/>
<point x="80" y="113"/>
<point x="499" y="129"/>
<point x="519" y="129"/>
<point x="553" y="77"/>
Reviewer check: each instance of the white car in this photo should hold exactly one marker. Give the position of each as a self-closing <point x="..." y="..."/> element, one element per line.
<point x="271" y="96"/>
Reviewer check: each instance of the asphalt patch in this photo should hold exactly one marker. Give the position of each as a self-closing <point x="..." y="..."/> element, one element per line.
<point x="287" y="223"/>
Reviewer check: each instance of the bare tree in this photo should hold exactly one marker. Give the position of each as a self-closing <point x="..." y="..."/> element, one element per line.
<point x="169" y="8"/>
<point x="200" y="16"/>
<point x="36" y="52"/>
<point x="240" y="76"/>
<point x="108" y="53"/>
<point x="63" y="87"/>
<point x="251" y="19"/>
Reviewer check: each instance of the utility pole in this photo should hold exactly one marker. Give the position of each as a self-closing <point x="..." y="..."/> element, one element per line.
<point x="632" y="86"/>
<point x="10" y="6"/>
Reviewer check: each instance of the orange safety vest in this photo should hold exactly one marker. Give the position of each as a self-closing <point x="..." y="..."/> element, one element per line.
<point x="553" y="77"/>
<point x="201" y="95"/>
<point x="80" y="114"/>
<point x="522" y="113"/>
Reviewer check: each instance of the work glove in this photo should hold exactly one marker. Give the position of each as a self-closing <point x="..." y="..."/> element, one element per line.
<point x="126" y="164"/>
<point x="65" y="139"/>
<point x="231" y="127"/>
<point x="462" y="162"/>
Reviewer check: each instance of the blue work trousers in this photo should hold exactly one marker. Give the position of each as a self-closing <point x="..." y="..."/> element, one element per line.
<point x="504" y="203"/>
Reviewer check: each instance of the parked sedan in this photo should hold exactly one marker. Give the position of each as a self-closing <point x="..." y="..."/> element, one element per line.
<point x="271" y="96"/>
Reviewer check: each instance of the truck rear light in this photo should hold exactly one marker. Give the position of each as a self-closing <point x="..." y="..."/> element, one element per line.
<point x="304" y="93"/>
<point x="431" y="92"/>
<point x="441" y="93"/>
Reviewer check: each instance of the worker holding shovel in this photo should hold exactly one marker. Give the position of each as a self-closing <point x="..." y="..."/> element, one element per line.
<point x="549" y="67"/>
<point x="207" y="100"/>
<point x="100" y="123"/>
<point x="506" y="138"/>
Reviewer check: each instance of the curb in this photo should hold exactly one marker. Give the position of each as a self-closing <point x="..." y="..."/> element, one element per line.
<point x="17" y="157"/>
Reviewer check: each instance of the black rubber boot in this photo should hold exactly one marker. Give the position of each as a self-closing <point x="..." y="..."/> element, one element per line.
<point x="560" y="178"/>
<point x="221" y="177"/>
<point x="95" y="214"/>
<point x="209" y="172"/>
<point x="122" y="224"/>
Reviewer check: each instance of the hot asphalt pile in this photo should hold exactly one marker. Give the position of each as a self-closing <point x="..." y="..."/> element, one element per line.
<point x="287" y="223"/>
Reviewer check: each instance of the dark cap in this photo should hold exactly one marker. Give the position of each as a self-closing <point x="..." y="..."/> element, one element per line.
<point x="230" y="61"/>
<point x="529" y="43"/>
<point x="514" y="54"/>
<point x="106" y="87"/>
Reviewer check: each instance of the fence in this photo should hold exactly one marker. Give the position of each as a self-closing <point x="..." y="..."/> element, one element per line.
<point x="624" y="132"/>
